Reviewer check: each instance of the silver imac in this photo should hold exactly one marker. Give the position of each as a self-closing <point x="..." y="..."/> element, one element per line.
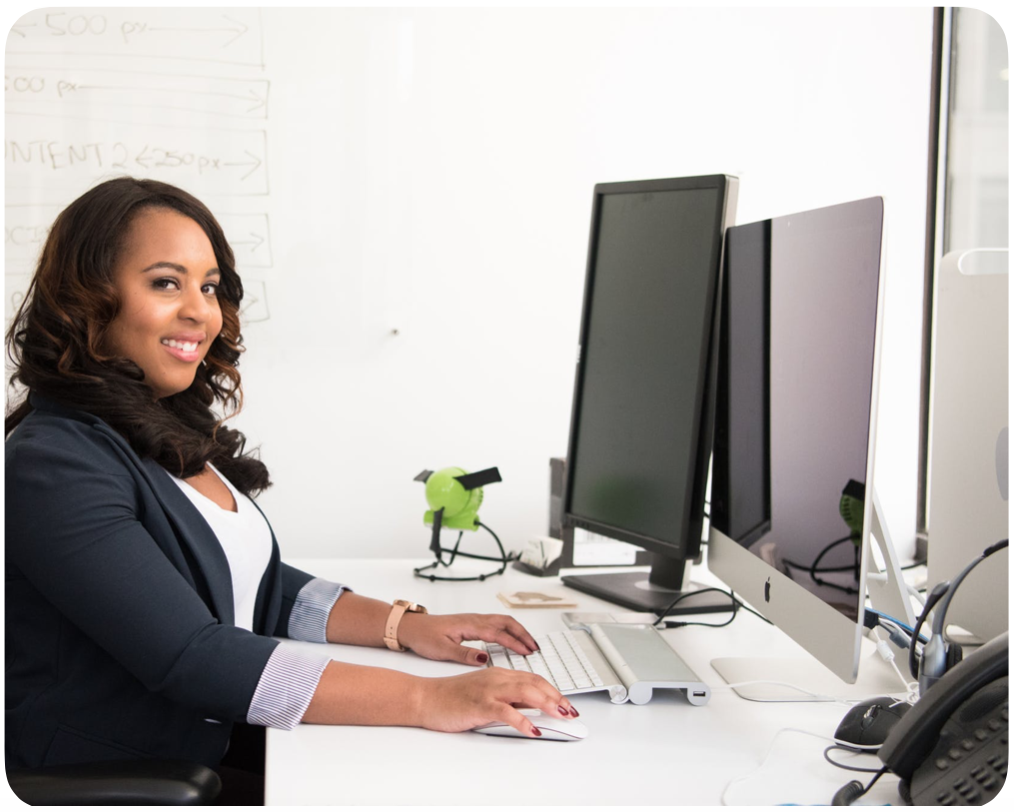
<point x="792" y="499"/>
<point x="968" y="460"/>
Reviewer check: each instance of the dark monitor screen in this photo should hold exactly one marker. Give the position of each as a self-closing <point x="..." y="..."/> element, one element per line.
<point x="795" y="386"/>
<point x="635" y="449"/>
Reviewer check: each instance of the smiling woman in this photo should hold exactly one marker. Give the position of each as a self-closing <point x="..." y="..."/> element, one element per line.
<point x="169" y="314"/>
<point x="101" y="282"/>
<point x="144" y="588"/>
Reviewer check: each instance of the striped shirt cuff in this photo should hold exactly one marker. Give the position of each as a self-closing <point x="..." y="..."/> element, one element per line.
<point x="286" y="687"/>
<point x="308" y="619"/>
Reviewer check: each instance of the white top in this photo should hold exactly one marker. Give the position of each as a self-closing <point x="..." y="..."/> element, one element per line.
<point x="246" y="539"/>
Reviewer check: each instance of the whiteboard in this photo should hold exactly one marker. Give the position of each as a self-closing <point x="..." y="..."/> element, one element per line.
<point x="408" y="193"/>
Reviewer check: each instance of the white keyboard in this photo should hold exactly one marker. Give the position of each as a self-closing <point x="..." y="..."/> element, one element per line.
<point x="560" y="660"/>
<point x="629" y="660"/>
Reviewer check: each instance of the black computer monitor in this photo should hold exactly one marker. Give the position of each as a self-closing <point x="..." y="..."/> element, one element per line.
<point x="643" y="393"/>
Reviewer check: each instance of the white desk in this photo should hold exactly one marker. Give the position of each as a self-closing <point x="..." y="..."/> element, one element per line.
<point x="666" y="752"/>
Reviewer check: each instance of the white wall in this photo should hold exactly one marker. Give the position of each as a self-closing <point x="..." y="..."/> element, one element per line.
<point x="431" y="171"/>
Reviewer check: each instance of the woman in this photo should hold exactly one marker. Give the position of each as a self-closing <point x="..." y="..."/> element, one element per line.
<point x="144" y="588"/>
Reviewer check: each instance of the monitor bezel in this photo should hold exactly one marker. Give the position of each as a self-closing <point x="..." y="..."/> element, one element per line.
<point x="828" y="635"/>
<point x="687" y="543"/>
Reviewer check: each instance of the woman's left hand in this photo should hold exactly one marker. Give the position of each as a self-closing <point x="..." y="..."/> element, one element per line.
<point x="439" y="637"/>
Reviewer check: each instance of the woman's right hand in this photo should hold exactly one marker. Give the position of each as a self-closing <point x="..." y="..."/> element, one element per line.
<point x="463" y="702"/>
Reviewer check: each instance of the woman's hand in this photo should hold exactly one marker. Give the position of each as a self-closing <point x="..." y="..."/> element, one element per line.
<point x="439" y="637"/>
<point x="453" y="704"/>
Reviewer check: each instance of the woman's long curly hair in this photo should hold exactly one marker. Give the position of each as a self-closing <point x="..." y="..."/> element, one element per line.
<point x="57" y="340"/>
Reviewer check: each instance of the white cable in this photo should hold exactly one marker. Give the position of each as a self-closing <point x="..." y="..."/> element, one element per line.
<point x="771" y="745"/>
<point x="915" y="593"/>
<point x="886" y="654"/>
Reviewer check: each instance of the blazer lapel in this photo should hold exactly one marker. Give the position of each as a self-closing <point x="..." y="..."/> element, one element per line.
<point x="201" y="541"/>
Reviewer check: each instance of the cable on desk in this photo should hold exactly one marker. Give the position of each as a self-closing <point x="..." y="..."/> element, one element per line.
<point x="853" y="790"/>
<point x="770" y="748"/>
<point x="845" y="766"/>
<point x="737" y="604"/>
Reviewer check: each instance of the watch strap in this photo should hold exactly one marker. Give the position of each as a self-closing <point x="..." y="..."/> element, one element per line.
<point x="398" y="610"/>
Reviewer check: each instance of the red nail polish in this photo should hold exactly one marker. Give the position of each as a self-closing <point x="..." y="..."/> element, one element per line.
<point x="482" y="658"/>
<point x="536" y="731"/>
<point x="574" y="712"/>
<point x="563" y="710"/>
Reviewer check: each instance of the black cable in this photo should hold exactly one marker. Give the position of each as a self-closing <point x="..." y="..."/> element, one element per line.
<point x="453" y="551"/>
<point x="876" y="778"/>
<point x="503" y="560"/>
<point x="849" y="750"/>
<point x="825" y="551"/>
<point x="844" y="568"/>
<point x="736" y="604"/>
<point x="853" y="790"/>
<point x="813" y="569"/>
<point x="661" y="615"/>
<point x="679" y="624"/>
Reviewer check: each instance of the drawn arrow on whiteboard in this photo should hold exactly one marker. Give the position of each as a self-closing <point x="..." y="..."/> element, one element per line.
<point x="249" y="309"/>
<point x="255" y="164"/>
<point x="238" y="31"/>
<point x="258" y="99"/>
<point x="251" y="95"/>
<point x="256" y="242"/>
<point x="143" y="154"/>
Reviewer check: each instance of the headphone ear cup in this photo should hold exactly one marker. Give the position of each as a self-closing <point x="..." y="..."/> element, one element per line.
<point x="954" y="655"/>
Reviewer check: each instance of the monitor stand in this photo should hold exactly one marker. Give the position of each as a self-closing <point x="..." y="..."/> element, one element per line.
<point x="640" y="591"/>
<point x="773" y="677"/>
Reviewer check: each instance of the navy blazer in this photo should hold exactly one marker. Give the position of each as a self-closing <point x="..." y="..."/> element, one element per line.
<point x="120" y="635"/>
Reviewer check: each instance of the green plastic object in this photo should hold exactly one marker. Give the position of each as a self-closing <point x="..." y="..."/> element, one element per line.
<point x="454" y="497"/>
<point x="461" y="506"/>
<point x="850" y="506"/>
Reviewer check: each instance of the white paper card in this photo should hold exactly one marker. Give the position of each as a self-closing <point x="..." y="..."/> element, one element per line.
<point x="593" y="550"/>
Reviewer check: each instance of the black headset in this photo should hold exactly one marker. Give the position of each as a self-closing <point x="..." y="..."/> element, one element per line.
<point x="939" y="654"/>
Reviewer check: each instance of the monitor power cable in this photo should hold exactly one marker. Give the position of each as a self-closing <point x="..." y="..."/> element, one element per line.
<point x="737" y="604"/>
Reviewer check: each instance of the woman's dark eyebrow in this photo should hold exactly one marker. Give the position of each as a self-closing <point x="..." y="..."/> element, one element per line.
<point x="178" y="268"/>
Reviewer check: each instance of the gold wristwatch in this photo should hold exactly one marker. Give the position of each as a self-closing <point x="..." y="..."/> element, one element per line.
<point x="399" y="608"/>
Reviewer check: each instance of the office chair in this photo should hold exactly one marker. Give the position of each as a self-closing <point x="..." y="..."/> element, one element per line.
<point x="155" y="782"/>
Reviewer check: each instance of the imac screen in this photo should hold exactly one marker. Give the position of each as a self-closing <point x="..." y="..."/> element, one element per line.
<point x="795" y="387"/>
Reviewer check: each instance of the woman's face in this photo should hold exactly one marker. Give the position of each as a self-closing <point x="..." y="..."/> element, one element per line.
<point x="167" y="279"/>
